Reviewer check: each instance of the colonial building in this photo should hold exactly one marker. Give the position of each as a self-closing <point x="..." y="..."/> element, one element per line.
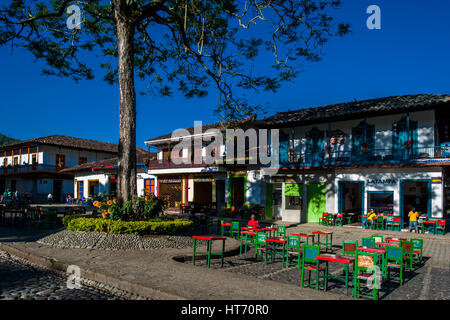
<point x="93" y="178"/>
<point x="35" y="166"/>
<point x="186" y="177"/>
<point x="387" y="154"/>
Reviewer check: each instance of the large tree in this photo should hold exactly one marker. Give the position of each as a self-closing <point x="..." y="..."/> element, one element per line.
<point x="184" y="45"/>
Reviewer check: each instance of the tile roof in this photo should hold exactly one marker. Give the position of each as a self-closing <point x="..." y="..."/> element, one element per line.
<point x="141" y="154"/>
<point x="68" y="142"/>
<point x="218" y="125"/>
<point x="355" y="109"/>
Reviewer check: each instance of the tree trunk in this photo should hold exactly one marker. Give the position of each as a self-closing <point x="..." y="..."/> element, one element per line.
<point x="127" y="119"/>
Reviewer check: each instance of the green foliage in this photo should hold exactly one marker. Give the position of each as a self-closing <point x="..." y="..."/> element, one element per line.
<point x="67" y="219"/>
<point x="156" y="227"/>
<point x="6" y="140"/>
<point x="148" y="208"/>
<point x="179" y="45"/>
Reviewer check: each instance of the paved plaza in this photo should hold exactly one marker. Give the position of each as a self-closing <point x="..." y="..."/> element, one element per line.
<point x="165" y="271"/>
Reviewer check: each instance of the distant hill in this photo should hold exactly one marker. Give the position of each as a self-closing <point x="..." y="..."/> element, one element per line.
<point x="6" y="140"/>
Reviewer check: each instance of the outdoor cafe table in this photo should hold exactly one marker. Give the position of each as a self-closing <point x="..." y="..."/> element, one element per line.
<point x="276" y="242"/>
<point x="245" y="234"/>
<point x="209" y="253"/>
<point x="429" y="225"/>
<point x="269" y="230"/>
<point x="327" y="244"/>
<point x="303" y="235"/>
<point x="389" y="239"/>
<point x="383" y="244"/>
<point x="379" y="251"/>
<point x="345" y="261"/>
<point x="222" y="225"/>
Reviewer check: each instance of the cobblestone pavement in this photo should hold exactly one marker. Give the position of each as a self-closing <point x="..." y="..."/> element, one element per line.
<point x="429" y="281"/>
<point x="19" y="281"/>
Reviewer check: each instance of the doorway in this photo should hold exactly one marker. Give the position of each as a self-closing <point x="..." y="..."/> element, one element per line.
<point x="415" y="194"/>
<point x="203" y="192"/>
<point x="351" y="197"/>
<point x="57" y="190"/>
<point x="277" y="201"/>
<point x="237" y="192"/>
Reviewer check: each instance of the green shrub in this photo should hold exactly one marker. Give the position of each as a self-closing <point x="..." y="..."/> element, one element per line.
<point x="156" y="226"/>
<point x="67" y="219"/>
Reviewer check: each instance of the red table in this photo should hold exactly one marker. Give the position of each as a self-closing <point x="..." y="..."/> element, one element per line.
<point x="276" y="242"/>
<point x="395" y="239"/>
<point x="270" y="230"/>
<point x="209" y="253"/>
<point x="222" y="229"/>
<point x="430" y="222"/>
<point x="328" y="244"/>
<point x="304" y="235"/>
<point x="387" y="244"/>
<point x="372" y="250"/>
<point x="345" y="261"/>
<point x="246" y="234"/>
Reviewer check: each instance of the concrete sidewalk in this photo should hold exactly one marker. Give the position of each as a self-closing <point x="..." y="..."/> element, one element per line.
<point x="154" y="274"/>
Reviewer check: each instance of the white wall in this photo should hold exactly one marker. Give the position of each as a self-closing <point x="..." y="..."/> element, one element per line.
<point x="396" y="174"/>
<point x="383" y="130"/>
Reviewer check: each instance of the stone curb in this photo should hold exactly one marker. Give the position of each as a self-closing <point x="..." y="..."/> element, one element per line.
<point x="123" y="285"/>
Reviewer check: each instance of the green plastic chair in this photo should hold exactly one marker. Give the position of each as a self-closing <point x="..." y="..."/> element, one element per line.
<point x="281" y="232"/>
<point x="261" y="246"/>
<point x="417" y="249"/>
<point x="365" y="263"/>
<point x="349" y="247"/>
<point x="293" y="248"/>
<point x="368" y="242"/>
<point x="223" y="231"/>
<point x="310" y="263"/>
<point x="440" y="227"/>
<point x="394" y="260"/>
<point x="235" y="230"/>
<point x="324" y="219"/>
<point x="377" y="238"/>
<point x="339" y="220"/>
<point x="408" y="255"/>
<point x="379" y="223"/>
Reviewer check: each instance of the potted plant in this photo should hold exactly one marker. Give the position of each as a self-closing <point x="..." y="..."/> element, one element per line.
<point x="408" y="144"/>
<point x="364" y="147"/>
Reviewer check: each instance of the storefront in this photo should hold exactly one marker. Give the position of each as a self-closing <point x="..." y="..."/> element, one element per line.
<point x="393" y="190"/>
<point x="170" y="190"/>
<point x="298" y="198"/>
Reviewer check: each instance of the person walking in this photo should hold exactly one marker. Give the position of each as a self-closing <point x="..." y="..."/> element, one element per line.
<point x="413" y="215"/>
<point x="370" y="217"/>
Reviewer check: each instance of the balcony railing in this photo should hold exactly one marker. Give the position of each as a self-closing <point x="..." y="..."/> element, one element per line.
<point x="377" y="156"/>
<point x="29" y="168"/>
<point x="169" y="164"/>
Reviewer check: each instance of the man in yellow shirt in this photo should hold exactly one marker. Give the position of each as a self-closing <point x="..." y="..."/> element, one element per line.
<point x="371" y="216"/>
<point x="413" y="215"/>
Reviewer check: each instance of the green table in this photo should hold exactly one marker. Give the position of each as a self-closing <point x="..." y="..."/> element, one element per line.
<point x="209" y="252"/>
<point x="345" y="261"/>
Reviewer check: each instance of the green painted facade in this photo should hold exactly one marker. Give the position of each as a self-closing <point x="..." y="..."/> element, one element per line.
<point x="316" y="201"/>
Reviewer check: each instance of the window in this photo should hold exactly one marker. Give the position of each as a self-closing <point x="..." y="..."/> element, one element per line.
<point x="5" y="162"/>
<point x="293" y="203"/>
<point x="381" y="202"/>
<point x="93" y="188"/>
<point x="60" y="161"/>
<point x="292" y="196"/>
<point x="16" y="161"/>
<point x="82" y="160"/>
<point x="34" y="159"/>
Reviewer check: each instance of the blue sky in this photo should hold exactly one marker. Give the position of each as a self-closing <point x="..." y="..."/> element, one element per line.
<point x="409" y="55"/>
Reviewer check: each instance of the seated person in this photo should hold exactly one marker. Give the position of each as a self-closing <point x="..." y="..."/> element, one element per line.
<point x="253" y="223"/>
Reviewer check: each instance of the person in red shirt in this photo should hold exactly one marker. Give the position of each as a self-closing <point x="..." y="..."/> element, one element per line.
<point x="253" y="223"/>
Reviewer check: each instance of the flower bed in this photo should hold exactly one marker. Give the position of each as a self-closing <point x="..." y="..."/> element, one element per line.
<point x="151" y="227"/>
